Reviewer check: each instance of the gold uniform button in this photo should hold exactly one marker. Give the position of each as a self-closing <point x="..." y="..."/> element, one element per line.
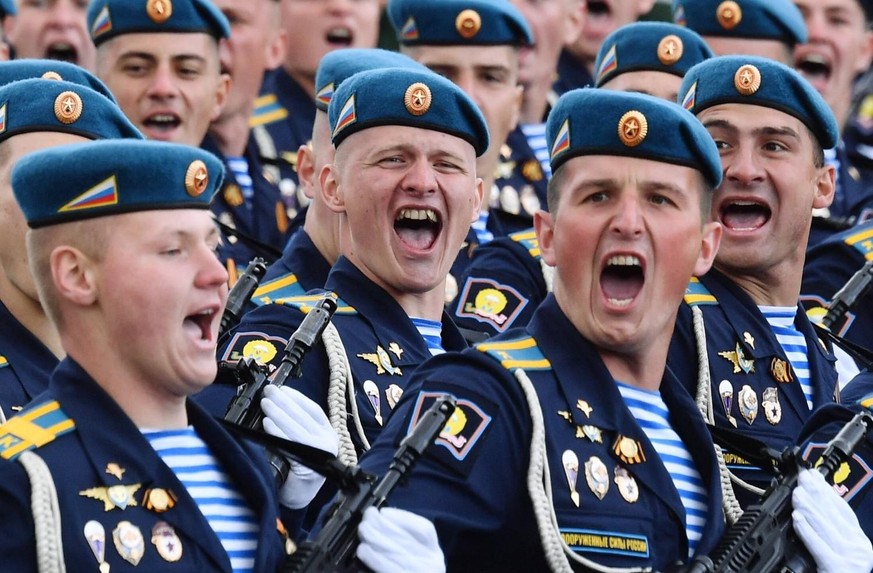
<point x="196" y="178"/>
<point x="159" y="10"/>
<point x="670" y="49"/>
<point x="729" y="14"/>
<point x="417" y="99"/>
<point x="632" y="128"/>
<point x="468" y="23"/>
<point x="747" y="80"/>
<point x="68" y="107"/>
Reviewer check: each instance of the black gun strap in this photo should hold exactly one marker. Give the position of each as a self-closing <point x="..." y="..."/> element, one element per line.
<point x="856" y="351"/>
<point x="753" y="451"/>
<point x="269" y="252"/>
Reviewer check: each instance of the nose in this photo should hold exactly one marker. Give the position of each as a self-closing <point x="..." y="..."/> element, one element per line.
<point x="742" y="166"/>
<point x="816" y="27"/>
<point x="340" y="7"/>
<point x="65" y="14"/>
<point x="628" y="219"/>
<point x="420" y="178"/>
<point x="212" y="273"/>
<point x="163" y="84"/>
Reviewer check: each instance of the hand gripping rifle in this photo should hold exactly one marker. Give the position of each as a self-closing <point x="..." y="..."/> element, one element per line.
<point x="245" y="410"/>
<point x="241" y="294"/>
<point x="333" y="548"/>
<point x="763" y="539"/>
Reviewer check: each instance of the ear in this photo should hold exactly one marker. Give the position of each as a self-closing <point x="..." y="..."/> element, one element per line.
<point x="73" y="276"/>
<point x="331" y="190"/>
<point x="516" y="107"/>
<point x="711" y="238"/>
<point x="865" y="56"/>
<point x="544" y="225"/>
<point x="825" y="187"/>
<point x="221" y="91"/>
<point x="644" y="7"/>
<point x="277" y="48"/>
<point x="574" y="21"/>
<point x="306" y="169"/>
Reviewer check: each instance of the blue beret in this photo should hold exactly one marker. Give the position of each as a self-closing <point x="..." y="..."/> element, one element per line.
<point x="649" y="46"/>
<point x="458" y="22"/>
<point x="110" y="18"/>
<point x="405" y="96"/>
<point x="751" y="19"/>
<point x="592" y="121"/>
<point x="338" y="65"/>
<point x="112" y="176"/>
<point x="7" y="8"/>
<point x="55" y="105"/>
<point x="27" y="69"/>
<point x="758" y="81"/>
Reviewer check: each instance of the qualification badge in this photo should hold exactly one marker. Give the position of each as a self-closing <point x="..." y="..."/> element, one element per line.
<point x="627" y="485"/>
<point x="129" y="542"/>
<point x="628" y="450"/>
<point x="770" y="403"/>
<point x="780" y="370"/>
<point x="726" y="391"/>
<point x="748" y="403"/>
<point x="166" y="541"/>
<point x="597" y="476"/>
<point x="571" y="470"/>
<point x="96" y="536"/>
<point x="372" y="392"/>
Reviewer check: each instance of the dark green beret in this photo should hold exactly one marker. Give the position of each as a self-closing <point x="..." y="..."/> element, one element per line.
<point x="458" y="22"/>
<point x="649" y="46"/>
<point x="338" y="65"/>
<point x="56" y="105"/>
<point x="405" y="96"/>
<point x="751" y="19"/>
<point x="592" y="121"/>
<point x="27" y="69"/>
<point x="113" y="176"/>
<point x="110" y="18"/>
<point x="758" y="81"/>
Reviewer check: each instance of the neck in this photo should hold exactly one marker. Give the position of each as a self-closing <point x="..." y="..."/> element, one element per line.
<point x="305" y="80"/>
<point x="231" y="133"/>
<point x="775" y="286"/>
<point x="31" y="315"/>
<point x="535" y="102"/>
<point x="321" y="226"/>
<point x="642" y="369"/>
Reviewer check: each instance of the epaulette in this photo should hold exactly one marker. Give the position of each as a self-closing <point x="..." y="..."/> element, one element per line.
<point x="697" y="294"/>
<point x="520" y="353"/>
<point x="286" y="286"/>
<point x="305" y="303"/>
<point x="862" y="241"/>
<point x="267" y="110"/>
<point x="33" y="428"/>
<point x="527" y="239"/>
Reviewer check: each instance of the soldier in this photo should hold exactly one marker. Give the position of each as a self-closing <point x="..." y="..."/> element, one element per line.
<point x="284" y="113"/>
<point x="122" y="251"/>
<point x="765" y="28"/>
<point x="476" y="45"/>
<point x="404" y="185"/>
<point x="54" y="29"/>
<point x="37" y="114"/>
<point x="764" y="368"/>
<point x="507" y="279"/>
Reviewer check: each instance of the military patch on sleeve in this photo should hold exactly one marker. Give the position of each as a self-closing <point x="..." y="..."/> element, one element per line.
<point x="490" y="302"/>
<point x="456" y="444"/>
<point x="35" y="427"/>
<point x="852" y="475"/>
<point x="521" y="353"/>
<point x="816" y="308"/>
<point x="528" y="239"/>
<point x="862" y="241"/>
<point x="696" y="293"/>
<point x="286" y="286"/>
<point x="267" y="110"/>
<point x="265" y="349"/>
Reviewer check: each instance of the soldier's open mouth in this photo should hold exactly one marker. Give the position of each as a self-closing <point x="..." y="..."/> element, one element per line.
<point x="62" y="51"/>
<point x="202" y="321"/>
<point x="418" y="228"/>
<point x="744" y="215"/>
<point x="622" y="279"/>
<point x="162" y="121"/>
<point x="340" y="36"/>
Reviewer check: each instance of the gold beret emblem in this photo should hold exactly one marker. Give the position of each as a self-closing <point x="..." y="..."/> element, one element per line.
<point x="51" y="76"/>
<point x="159" y="10"/>
<point x="68" y="107"/>
<point x="196" y="178"/>
<point x="729" y="14"/>
<point x="633" y="128"/>
<point x="468" y="23"/>
<point x="417" y="99"/>
<point x="747" y="80"/>
<point x="670" y="49"/>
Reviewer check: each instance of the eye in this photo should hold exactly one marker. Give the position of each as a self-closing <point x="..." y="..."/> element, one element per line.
<point x="658" y="199"/>
<point x="596" y="197"/>
<point x="775" y="146"/>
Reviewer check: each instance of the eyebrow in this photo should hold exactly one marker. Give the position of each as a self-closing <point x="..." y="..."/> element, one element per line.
<point x="783" y="131"/>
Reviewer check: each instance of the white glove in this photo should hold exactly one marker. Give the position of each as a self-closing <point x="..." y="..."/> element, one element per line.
<point x="291" y="415"/>
<point x="828" y="527"/>
<point x="398" y="541"/>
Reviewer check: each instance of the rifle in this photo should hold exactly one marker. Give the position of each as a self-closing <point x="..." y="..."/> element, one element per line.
<point x="241" y="294"/>
<point x="244" y="410"/>
<point x="846" y="298"/>
<point x="333" y="549"/>
<point x="763" y="539"/>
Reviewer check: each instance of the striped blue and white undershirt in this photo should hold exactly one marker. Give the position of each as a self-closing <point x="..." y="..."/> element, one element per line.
<point x="536" y="139"/>
<point x="651" y="413"/>
<point x="432" y="332"/>
<point x="480" y="227"/>
<point x="240" y="169"/>
<point x="219" y="500"/>
<point x="781" y="320"/>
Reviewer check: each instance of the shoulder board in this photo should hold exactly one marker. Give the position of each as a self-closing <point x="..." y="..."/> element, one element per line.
<point x="519" y="353"/>
<point x="528" y="239"/>
<point x="305" y="303"/>
<point x="862" y="241"/>
<point x="267" y="110"/>
<point x="286" y="286"/>
<point x="37" y="426"/>
<point x="696" y="293"/>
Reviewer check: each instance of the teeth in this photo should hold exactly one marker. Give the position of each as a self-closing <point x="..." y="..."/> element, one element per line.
<point x="418" y="215"/>
<point x="624" y="261"/>
<point x="162" y="118"/>
<point x="338" y="33"/>
<point x="620" y="302"/>
<point x="815" y="59"/>
<point x="207" y="312"/>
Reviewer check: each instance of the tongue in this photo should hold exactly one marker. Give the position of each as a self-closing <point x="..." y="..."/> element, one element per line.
<point x="744" y="218"/>
<point x="621" y="285"/>
<point x="420" y="239"/>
